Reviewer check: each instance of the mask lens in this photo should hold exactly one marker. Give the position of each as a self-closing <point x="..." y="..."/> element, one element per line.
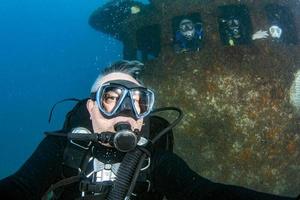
<point x="110" y="98"/>
<point x="189" y="26"/>
<point x="142" y="101"/>
<point x="186" y="27"/>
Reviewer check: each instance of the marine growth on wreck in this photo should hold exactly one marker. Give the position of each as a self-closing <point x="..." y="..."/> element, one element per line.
<point x="241" y="98"/>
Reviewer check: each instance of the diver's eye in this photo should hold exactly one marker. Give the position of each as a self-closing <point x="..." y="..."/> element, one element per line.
<point x="110" y="98"/>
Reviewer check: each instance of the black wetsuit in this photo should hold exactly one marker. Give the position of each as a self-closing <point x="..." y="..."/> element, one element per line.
<point x="170" y="176"/>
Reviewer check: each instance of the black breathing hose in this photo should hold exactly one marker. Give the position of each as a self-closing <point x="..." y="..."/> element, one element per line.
<point x="133" y="161"/>
<point x="172" y="125"/>
<point x="125" y="174"/>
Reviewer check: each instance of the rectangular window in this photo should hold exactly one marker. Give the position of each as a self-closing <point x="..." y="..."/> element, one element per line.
<point x="235" y="26"/>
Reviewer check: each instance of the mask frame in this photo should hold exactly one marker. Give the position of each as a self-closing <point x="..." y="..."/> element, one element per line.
<point x="128" y="88"/>
<point x="275" y="31"/>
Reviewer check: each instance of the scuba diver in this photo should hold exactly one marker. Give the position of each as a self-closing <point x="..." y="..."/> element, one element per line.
<point x="282" y="28"/>
<point x="106" y="153"/>
<point x="235" y="26"/>
<point x="232" y="30"/>
<point x="274" y="31"/>
<point x="189" y="36"/>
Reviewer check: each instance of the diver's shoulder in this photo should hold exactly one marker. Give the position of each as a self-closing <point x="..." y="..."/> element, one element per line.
<point x="50" y="140"/>
<point x="160" y="156"/>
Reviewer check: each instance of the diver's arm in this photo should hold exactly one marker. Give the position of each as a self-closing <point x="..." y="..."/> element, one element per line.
<point x="176" y="180"/>
<point x="41" y="170"/>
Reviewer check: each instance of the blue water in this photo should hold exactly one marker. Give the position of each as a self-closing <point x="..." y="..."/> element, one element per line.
<point x="47" y="52"/>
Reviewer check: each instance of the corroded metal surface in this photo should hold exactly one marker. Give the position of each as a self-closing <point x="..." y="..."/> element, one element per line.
<point x="239" y="125"/>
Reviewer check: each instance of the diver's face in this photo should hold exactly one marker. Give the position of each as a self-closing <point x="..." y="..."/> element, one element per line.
<point x="275" y="31"/>
<point x="101" y="123"/>
<point x="187" y="29"/>
<point x="234" y="27"/>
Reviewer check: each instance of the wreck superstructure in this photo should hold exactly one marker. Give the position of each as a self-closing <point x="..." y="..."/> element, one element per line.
<point x="241" y="125"/>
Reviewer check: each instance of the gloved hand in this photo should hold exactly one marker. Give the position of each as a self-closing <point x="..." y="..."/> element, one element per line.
<point x="260" y="35"/>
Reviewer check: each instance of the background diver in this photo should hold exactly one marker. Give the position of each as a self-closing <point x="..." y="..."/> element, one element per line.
<point x="189" y="36"/>
<point x="119" y="106"/>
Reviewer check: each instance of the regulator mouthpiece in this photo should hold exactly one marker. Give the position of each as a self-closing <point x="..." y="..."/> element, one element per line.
<point x="125" y="139"/>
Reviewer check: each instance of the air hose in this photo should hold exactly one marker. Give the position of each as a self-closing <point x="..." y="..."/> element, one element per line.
<point x="125" y="174"/>
<point x="133" y="161"/>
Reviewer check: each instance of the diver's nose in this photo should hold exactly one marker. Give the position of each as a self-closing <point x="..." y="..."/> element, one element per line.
<point x="126" y="108"/>
<point x="126" y="105"/>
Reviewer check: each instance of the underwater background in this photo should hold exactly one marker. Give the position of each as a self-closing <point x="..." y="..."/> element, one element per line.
<point x="236" y="78"/>
<point x="48" y="52"/>
<point x="241" y="98"/>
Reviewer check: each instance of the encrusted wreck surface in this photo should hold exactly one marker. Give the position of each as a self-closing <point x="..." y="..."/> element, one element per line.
<point x="239" y="126"/>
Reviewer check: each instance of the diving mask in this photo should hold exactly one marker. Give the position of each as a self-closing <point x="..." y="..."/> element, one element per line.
<point x="187" y="28"/>
<point x="120" y="97"/>
<point x="234" y="27"/>
<point x="275" y="31"/>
